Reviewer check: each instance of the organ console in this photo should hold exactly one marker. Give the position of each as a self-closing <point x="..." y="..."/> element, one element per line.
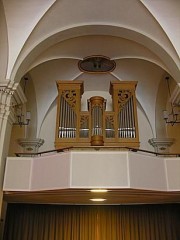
<point x="96" y="126"/>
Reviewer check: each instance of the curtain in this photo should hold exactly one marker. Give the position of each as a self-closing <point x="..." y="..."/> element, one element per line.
<point x="57" y="222"/>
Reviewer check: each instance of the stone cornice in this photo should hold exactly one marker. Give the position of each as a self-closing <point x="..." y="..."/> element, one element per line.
<point x="13" y="89"/>
<point x="11" y="95"/>
<point x="161" y="145"/>
<point x="30" y="145"/>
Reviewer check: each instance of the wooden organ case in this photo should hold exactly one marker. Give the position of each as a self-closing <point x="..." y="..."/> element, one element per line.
<point x="96" y="127"/>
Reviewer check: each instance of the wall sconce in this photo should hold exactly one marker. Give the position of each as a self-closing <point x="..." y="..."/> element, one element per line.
<point x="171" y="117"/>
<point x="21" y="121"/>
<point x="21" y="118"/>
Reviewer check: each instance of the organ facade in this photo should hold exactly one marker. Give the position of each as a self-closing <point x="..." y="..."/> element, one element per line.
<point x="96" y="126"/>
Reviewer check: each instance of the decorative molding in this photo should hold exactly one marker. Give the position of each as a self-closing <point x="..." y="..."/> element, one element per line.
<point x="123" y="97"/>
<point x="70" y="97"/>
<point x="19" y="95"/>
<point x="96" y="64"/>
<point x="11" y="95"/>
<point x="15" y="90"/>
<point x="161" y="145"/>
<point x="30" y="145"/>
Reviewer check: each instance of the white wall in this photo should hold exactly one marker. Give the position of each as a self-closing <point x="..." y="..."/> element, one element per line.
<point x="145" y="131"/>
<point x="48" y="128"/>
<point x="92" y="169"/>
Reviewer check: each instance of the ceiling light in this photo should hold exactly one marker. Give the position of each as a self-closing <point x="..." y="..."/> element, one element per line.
<point x="99" y="190"/>
<point x="98" y="199"/>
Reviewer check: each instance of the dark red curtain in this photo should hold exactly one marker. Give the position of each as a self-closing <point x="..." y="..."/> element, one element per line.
<point x="53" y="222"/>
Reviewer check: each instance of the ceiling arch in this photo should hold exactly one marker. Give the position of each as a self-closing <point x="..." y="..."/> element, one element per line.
<point x="167" y="15"/>
<point x="113" y="47"/>
<point x="27" y="58"/>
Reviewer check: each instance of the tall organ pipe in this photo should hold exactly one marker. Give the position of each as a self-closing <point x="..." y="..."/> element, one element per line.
<point x="97" y="107"/>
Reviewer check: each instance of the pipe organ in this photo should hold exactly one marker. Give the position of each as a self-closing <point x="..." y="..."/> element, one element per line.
<point x="96" y="126"/>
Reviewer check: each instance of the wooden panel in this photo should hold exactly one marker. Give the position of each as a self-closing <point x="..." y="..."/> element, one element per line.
<point x="82" y="196"/>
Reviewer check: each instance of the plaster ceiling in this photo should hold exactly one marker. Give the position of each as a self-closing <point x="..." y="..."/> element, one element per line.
<point x="35" y="26"/>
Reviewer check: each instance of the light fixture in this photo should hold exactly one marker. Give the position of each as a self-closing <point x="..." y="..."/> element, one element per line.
<point x="21" y="118"/>
<point x="98" y="199"/>
<point x="99" y="190"/>
<point x="172" y="116"/>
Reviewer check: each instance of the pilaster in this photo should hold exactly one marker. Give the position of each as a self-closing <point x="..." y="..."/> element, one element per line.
<point x="11" y="95"/>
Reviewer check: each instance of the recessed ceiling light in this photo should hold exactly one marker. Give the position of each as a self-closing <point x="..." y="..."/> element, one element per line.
<point x="98" y="199"/>
<point x="99" y="190"/>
